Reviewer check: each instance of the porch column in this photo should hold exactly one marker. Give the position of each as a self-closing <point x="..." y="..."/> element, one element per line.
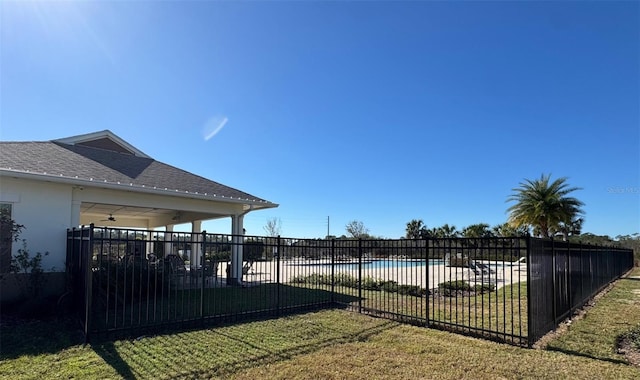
<point x="196" y="246"/>
<point x="75" y="213"/>
<point x="235" y="274"/>
<point x="149" y="238"/>
<point x="168" y="237"/>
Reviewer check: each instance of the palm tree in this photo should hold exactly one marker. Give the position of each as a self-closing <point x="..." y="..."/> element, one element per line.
<point x="507" y="230"/>
<point x="571" y="228"/>
<point x="445" y="231"/>
<point x="479" y="230"/>
<point x="414" y="229"/>
<point x="543" y="205"/>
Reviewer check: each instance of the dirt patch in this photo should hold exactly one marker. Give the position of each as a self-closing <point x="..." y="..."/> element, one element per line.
<point x="630" y="352"/>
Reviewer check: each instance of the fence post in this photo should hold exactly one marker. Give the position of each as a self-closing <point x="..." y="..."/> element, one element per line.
<point x="582" y="297"/>
<point x="554" y="284"/>
<point x="359" y="275"/>
<point x="427" y="285"/>
<point x="88" y="283"/>
<point x="203" y="265"/>
<point x="333" y="270"/>
<point x="530" y="318"/>
<point x="569" y="279"/>
<point x="278" y="275"/>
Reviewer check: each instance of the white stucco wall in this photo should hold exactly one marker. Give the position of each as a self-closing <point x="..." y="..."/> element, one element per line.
<point x="44" y="208"/>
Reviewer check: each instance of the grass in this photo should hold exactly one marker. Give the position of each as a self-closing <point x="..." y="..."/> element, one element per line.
<point x="615" y="314"/>
<point x="332" y="344"/>
<point x="500" y="314"/>
<point x="226" y="302"/>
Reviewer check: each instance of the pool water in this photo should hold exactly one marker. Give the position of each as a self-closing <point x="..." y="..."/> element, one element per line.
<point x="388" y="264"/>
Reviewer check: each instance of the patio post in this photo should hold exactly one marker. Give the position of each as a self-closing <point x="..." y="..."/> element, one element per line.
<point x="168" y="238"/>
<point x="235" y="273"/>
<point x="196" y="244"/>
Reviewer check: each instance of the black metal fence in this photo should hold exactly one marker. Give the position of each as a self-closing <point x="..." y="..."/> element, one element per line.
<point x="509" y="289"/>
<point x="564" y="276"/>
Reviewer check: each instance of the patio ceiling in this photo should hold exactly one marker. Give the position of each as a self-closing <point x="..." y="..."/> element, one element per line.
<point x="144" y="217"/>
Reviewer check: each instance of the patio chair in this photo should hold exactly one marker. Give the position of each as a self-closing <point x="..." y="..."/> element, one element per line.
<point x="480" y="269"/>
<point x="247" y="267"/>
<point x="175" y="264"/>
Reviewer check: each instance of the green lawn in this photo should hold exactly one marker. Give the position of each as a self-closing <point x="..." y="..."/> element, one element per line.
<point x="332" y="344"/>
<point x="500" y="314"/>
<point x="185" y="305"/>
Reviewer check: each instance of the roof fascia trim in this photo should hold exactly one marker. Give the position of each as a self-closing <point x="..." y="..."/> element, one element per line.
<point x="135" y="188"/>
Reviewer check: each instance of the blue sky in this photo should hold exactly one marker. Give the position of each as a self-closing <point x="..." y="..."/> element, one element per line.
<point x="375" y="111"/>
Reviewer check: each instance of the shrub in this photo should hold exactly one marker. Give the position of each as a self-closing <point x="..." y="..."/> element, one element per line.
<point x="127" y="281"/>
<point x="409" y="290"/>
<point x="370" y="283"/>
<point x="343" y="279"/>
<point x="33" y="280"/>
<point x="484" y="288"/>
<point x="450" y="288"/>
<point x="455" y="285"/>
<point x="389" y="286"/>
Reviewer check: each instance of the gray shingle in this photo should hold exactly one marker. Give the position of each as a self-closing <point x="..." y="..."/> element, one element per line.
<point x="76" y="161"/>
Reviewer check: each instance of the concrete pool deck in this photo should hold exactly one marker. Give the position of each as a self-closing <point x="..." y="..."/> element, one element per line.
<point x="501" y="274"/>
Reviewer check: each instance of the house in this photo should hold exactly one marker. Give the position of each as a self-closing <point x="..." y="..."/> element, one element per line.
<point x="50" y="186"/>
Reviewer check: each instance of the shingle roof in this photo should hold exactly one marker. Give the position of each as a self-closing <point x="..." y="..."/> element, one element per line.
<point x="60" y="160"/>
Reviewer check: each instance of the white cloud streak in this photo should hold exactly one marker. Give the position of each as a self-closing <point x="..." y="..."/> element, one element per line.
<point x="213" y="126"/>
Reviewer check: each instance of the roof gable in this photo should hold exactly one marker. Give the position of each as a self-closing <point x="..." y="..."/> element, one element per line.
<point x="105" y="140"/>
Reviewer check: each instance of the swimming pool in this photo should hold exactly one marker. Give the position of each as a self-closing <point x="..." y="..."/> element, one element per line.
<point x="386" y="264"/>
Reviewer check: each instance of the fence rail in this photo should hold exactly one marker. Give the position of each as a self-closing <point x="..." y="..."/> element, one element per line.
<point x="510" y="289"/>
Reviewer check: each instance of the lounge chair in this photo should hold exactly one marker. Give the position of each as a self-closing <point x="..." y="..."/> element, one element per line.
<point x="247" y="267"/>
<point x="479" y="268"/>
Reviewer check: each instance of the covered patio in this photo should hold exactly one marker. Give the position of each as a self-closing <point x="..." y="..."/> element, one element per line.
<point x="99" y="179"/>
<point x="156" y="225"/>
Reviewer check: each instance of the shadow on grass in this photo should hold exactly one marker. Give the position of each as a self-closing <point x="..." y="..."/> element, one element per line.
<point x="262" y="353"/>
<point x="270" y="356"/>
<point x="32" y="338"/>
<point x="107" y="351"/>
<point x="227" y="348"/>
<point x="584" y="355"/>
<point x="219" y="305"/>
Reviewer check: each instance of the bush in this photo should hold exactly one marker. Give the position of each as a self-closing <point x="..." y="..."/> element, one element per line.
<point x="343" y="279"/>
<point x="32" y="282"/>
<point x="484" y="288"/>
<point x="410" y="290"/>
<point x="130" y="281"/>
<point x="389" y="286"/>
<point x="455" y="285"/>
<point x="451" y="288"/>
<point x="368" y="283"/>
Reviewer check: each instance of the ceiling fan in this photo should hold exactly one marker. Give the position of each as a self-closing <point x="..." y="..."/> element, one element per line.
<point x="109" y="219"/>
